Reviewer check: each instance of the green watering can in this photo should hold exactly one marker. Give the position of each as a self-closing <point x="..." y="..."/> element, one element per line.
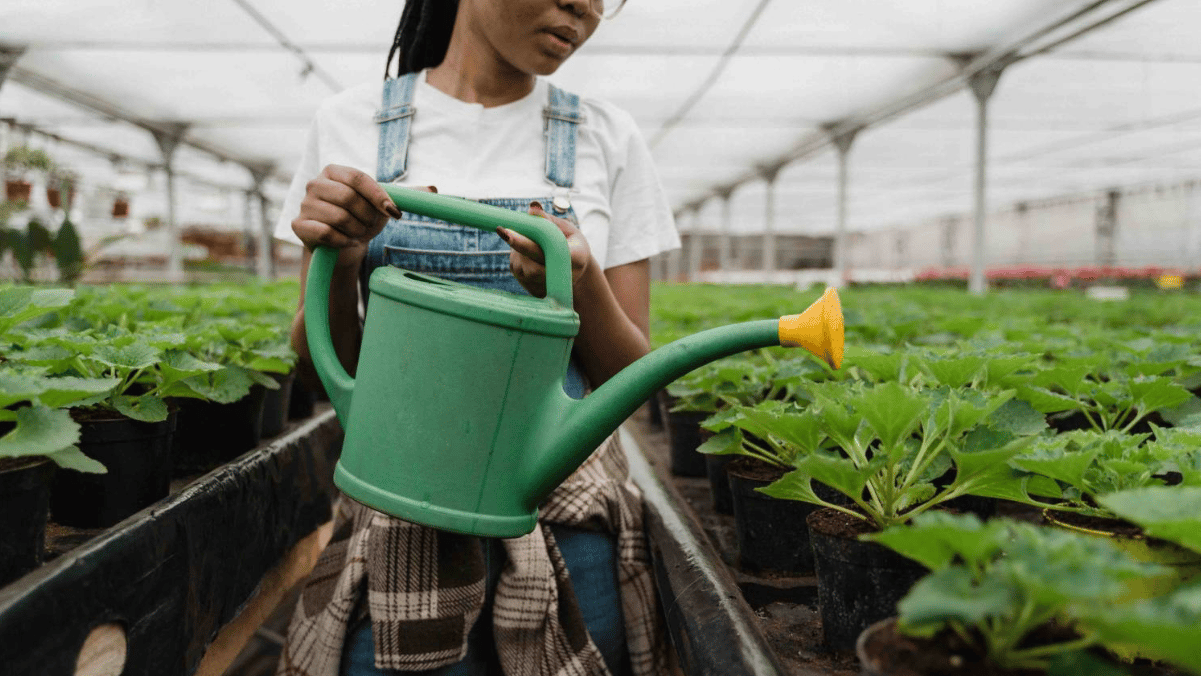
<point x="458" y="419"/>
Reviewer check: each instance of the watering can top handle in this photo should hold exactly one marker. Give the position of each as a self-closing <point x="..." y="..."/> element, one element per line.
<point x="486" y="217"/>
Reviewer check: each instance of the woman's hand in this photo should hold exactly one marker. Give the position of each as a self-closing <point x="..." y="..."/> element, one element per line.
<point x="527" y="261"/>
<point x="343" y="208"/>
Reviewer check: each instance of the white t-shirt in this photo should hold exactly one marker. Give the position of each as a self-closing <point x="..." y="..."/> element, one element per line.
<point x="471" y="151"/>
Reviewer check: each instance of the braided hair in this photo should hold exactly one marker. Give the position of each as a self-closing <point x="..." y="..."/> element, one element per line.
<point x="422" y="35"/>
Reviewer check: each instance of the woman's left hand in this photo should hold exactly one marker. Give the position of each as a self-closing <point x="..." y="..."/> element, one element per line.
<point x="526" y="259"/>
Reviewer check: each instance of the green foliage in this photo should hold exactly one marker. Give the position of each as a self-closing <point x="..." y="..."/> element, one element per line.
<point x="1168" y="513"/>
<point x="1090" y="465"/>
<point x="68" y="252"/>
<point x="994" y="583"/>
<point x="130" y="349"/>
<point x="888" y="442"/>
<point x="20" y="158"/>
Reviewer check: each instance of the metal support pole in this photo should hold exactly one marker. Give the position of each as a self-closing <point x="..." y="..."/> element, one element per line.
<point x="672" y="266"/>
<point x="843" y="143"/>
<point x="248" y="236"/>
<point x="1107" y="229"/>
<point x="9" y="56"/>
<point x="266" y="258"/>
<point x="723" y="239"/>
<point x="769" y="221"/>
<point x="697" y="242"/>
<point x="265" y="251"/>
<point x="168" y="138"/>
<point x="983" y="84"/>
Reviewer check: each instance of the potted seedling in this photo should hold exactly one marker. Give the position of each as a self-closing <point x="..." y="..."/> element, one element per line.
<point x="128" y="427"/>
<point x="120" y="205"/>
<point x="1092" y="465"/>
<point x="20" y="163"/>
<point x="766" y="439"/>
<point x="61" y="183"/>
<point x="890" y="443"/>
<point x="1005" y="597"/>
<point x="36" y="435"/>
<point x="694" y="397"/>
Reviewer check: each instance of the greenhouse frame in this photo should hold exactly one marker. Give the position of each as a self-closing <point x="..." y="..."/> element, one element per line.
<point x="980" y="222"/>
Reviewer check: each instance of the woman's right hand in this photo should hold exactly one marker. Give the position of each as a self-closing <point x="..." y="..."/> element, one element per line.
<point x="343" y="208"/>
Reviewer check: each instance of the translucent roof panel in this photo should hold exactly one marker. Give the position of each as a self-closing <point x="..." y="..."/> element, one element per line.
<point x="722" y="91"/>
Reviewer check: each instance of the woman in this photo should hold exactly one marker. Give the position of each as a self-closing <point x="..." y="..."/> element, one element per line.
<point x="468" y="113"/>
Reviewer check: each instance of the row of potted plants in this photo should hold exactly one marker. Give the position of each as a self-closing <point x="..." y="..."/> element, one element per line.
<point x="125" y="388"/>
<point x="1054" y="404"/>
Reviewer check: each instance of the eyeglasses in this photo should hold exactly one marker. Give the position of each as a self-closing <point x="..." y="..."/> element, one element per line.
<point x="598" y="8"/>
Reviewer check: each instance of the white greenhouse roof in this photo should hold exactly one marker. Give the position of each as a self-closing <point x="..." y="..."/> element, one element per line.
<point x="721" y="89"/>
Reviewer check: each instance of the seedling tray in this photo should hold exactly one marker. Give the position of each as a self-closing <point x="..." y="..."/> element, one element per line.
<point x="174" y="573"/>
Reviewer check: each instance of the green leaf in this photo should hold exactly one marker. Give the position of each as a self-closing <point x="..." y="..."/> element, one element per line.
<point x="1053" y="459"/>
<point x="147" y="408"/>
<point x="1155" y="393"/>
<point x="1046" y="401"/>
<point x="1018" y="417"/>
<point x="1168" y="513"/>
<point x="64" y="391"/>
<point x="938" y="539"/>
<point x="39" y="431"/>
<point x="952" y="595"/>
<point x="725" y="442"/>
<point x="73" y="458"/>
<point x="131" y="357"/>
<point x="893" y="411"/>
<point x="19" y="304"/>
<point x="1168" y="627"/>
<point x="958" y="371"/>
<point x="837" y="473"/>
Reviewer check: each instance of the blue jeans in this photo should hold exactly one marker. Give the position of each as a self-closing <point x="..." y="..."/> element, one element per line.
<point x="591" y="560"/>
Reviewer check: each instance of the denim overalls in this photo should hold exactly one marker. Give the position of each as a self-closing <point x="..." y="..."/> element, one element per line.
<point x="459" y="252"/>
<point x="472" y="256"/>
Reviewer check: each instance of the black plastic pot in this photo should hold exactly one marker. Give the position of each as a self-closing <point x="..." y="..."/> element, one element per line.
<point x="301" y="401"/>
<point x="210" y="434"/>
<point x="138" y="457"/>
<point x="24" y="507"/>
<point x="654" y="412"/>
<point x="719" y="483"/>
<point x="858" y="583"/>
<point x="684" y="436"/>
<point x="770" y="531"/>
<point x="276" y="404"/>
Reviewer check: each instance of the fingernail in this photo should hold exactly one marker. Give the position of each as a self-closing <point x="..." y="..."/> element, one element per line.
<point x="536" y="205"/>
<point x="392" y="210"/>
<point x="502" y="233"/>
<point x="433" y="188"/>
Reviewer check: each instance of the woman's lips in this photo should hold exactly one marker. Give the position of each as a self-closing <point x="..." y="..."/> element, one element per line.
<point x="562" y="42"/>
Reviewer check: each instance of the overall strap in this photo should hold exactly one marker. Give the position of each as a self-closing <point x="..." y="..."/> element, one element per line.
<point x="562" y="118"/>
<point x="395" y="119"/>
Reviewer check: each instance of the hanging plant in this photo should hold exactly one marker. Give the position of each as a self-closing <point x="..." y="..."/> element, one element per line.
<point x="121" y="206"/>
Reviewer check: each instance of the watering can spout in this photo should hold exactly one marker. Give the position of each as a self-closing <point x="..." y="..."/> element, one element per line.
<point x="819" y="330"/>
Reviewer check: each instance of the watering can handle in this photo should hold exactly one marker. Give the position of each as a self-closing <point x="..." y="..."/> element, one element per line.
<point x="338" y="384"/>
<point x="486" y="217"/>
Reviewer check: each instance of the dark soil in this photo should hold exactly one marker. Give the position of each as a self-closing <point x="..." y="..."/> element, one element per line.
<point x="946" y="654"/>
<point x="840" y="525"/>
<point x="750" y="468"/>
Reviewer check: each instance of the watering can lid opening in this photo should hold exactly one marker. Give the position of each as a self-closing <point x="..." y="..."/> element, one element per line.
<point x="488" y="306"/>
